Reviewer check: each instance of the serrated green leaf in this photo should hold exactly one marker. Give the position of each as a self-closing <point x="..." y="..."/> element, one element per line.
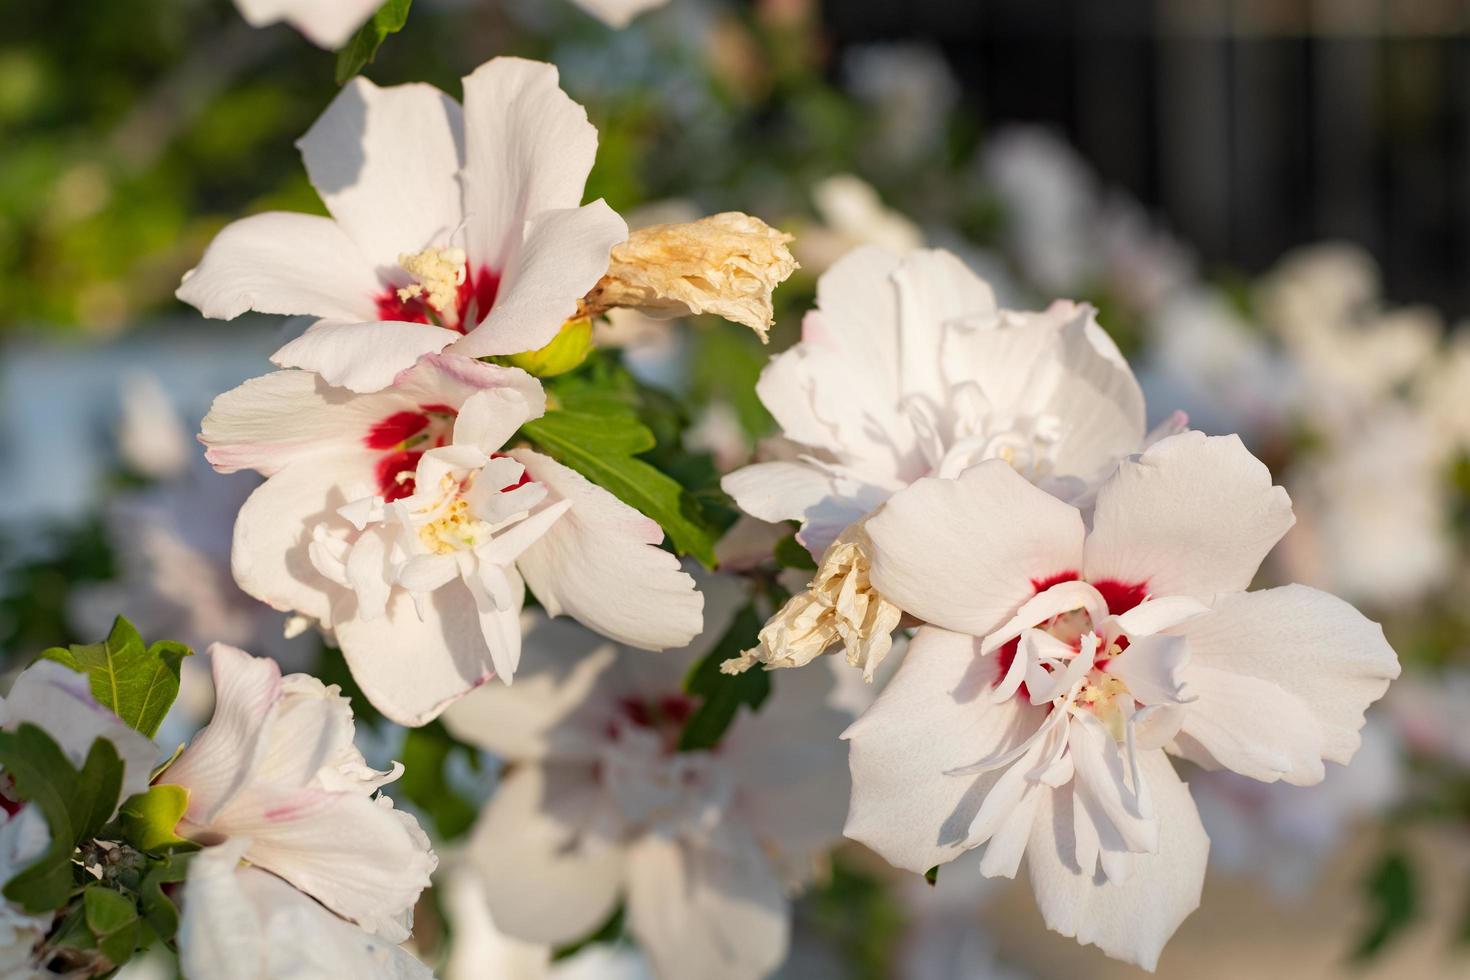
<point x="363" y="48"/>
<point x="113" y="920"/>
<point x="75" y="804"/>
<point x="149" y="820"/>
<point x="721" y="695"/>
<point x="599" y="446"/>
<point x="137" y="683"/>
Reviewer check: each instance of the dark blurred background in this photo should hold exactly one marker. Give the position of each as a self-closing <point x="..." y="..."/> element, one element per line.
<point x="1251" y="126"/>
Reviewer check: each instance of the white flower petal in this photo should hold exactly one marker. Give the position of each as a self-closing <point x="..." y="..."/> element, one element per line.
<point x="563" y="255"/>
<point x="221" y="760"/>
<point x="325" y="23"/>
<point x="529" y="149"/>
<point x="1133" y="920"/>
<point x="362" y="357"/>
<point x="386" y="163"/>
<point x="934" y="716"/>
<point x="270" y="556"/>
<point x="411" y="669"/>
<point x="600" y="563"/>
<point x="1283" y="677"/>
<point x="618" y="13"/>
<point x="284" y="263"/>
<point x="1208" y="491"/>
<point x="963" y="554"/>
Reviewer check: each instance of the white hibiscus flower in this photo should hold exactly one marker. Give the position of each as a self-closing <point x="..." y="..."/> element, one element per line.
<point x="276" y="776"/>
<point x="451" y="227"/>
<point x="600" y="808"/>
<point x="907" y="369"/>
<point x="1032" y="714"/>
<point x="397" y="522"/>
<point x="24" y="836"/>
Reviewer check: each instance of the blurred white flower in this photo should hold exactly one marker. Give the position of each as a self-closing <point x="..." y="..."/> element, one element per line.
<point x="600" y="807"/>
<point x="1064" y="659"/>
<point x="151" y="438"/>
<point x="451" y="227"/>
<point x="851" y="214"/>
<point x="1374" y="513"/>
<point x="242" y="923"/>
<point x="275" y="780"/>
<point x="944" y="938"/>
<point x="1050" y="197"/>
<point x="395" y="520"/>
<point x="325" y="23"/>
<point x="1207" y="360"/>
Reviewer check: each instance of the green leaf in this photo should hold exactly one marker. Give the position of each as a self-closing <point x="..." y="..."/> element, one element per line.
<point x="792" y="554"/>
<point x="426" y="750"/>
<point x="600" y="446"/>
<point x="932" y="876"/>
<point x="113" y="919"/>
<point x="159" y="910"/>
<point x="75" y="804"/>
<point x="137" y="683"/>
<point x="722" y="694"/>
<point x="150" y="819"/>
<point x="363" y="48"/>
<point x="1393" y="892"/>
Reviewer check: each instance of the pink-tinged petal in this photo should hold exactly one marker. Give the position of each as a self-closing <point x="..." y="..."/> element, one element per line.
<point x="411" y="669"/>
<point x="290" y="264"/>
<point x="362" y="357"/>
<point x="1283" y="677"/>
<point x="1194" y="515"/>
<point x="559" y="706"/>
<point x="269" y="421"/>
<point x="965" y="553"/>
<point x="528" y="149"/>
<point x="59" y="701"/>
<point x="326" y="23"/>
<point x="600" y="563"/>
<point x="317" y="840"/>
<point x="450" y="379"/>
<point x="386" y="163"/>
<point x="548" y="878"/>
<point x="711" y="909"/>
<point x="222" y="759"/>
<point x="935" y="716"/>
<point x="1131" y="920"/>
<point x="563" y="255"/>
<point x="270" y="555"/>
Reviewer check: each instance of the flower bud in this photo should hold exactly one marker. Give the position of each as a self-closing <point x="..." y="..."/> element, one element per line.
<point x="568" y="349"/>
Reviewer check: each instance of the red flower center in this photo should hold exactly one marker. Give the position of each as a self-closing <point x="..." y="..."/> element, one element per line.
<point x="1120" y="597"/>
<point x="402" y="438"/>
<point x="473" y="301"/>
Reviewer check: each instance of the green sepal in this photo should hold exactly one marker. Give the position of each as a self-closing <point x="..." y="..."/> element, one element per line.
<point x="359" y="52"/>
<point x="149" y="820"/>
